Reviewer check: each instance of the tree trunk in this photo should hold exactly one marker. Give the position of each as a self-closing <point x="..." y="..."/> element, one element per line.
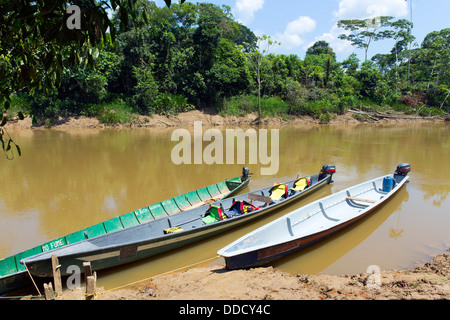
<point x="442" y="104"/>
<point x="259" y="99"/>
<point x="327" y="77"/>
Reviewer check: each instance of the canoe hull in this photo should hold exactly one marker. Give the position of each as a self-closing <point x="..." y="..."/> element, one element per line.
<point x="313" y="223"/>
<point x="14" y="281"/>
<point x="267" y="255"/>
<point x="13" y="275"/>
<point x="135" y="251"/>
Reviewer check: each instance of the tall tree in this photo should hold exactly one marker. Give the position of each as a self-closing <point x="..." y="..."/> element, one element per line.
<point x="258" y="62"/>
<point x="364" y="32"/>
<point x="37" y="36"/>
<point x="403" y="39"/>
<point x="435" y="61"/>
<point x="322" y="48"/>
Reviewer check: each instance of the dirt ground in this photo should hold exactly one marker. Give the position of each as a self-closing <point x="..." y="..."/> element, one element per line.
<point x="214" y="282"/>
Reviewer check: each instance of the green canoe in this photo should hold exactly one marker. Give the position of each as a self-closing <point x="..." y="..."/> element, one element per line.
<point x="13" y="274"/>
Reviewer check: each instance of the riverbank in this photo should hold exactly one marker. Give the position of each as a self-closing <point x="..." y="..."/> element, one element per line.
<point x="428" y="282"/>
<point x="213" y="119"/>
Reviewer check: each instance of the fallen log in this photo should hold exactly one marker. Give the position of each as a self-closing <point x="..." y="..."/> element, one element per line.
<point x="393" y="116"/>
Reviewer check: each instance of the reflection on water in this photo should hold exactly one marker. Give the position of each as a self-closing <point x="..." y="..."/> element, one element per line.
<point x="67" y="181"/>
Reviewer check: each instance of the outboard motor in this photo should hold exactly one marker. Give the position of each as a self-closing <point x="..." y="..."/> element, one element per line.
<point x="327" y="169"/>
<point x="403" y="169"/>
<point x="245" y="173"/>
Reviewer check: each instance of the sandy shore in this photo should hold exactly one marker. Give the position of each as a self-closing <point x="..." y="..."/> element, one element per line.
<point x="208" y="119"/>
<point x="214" y="282"/>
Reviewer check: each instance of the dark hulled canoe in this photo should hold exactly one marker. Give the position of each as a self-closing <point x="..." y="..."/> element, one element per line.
<point x="13" y="274"/>
<point x="312" y="223"/>
<point x="151" y="238"/>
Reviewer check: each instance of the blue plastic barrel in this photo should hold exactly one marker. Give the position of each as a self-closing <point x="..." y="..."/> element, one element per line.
<point x="388" y="183"/>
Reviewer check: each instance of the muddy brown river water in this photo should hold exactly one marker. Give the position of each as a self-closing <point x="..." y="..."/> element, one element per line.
<point x="68" y="180"/>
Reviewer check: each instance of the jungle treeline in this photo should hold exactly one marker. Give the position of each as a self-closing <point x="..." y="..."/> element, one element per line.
<point x="196" y="56"/>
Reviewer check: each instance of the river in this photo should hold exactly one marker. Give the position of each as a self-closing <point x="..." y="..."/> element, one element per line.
<point x="68" y="180"/>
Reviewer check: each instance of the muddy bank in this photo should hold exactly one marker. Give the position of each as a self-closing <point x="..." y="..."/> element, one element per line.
<point x="212" y="119"/>
<point x="428" y="282"/>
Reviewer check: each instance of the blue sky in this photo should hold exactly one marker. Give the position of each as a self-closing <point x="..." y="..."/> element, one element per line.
<point x="297" y="24"/>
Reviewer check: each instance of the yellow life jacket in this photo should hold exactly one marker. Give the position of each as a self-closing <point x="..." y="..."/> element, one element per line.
<point x="302" y="183"/>
<point x="278" y="190"/>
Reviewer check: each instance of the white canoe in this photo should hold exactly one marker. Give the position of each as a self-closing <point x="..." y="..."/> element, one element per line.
<point x="313" y="222"/>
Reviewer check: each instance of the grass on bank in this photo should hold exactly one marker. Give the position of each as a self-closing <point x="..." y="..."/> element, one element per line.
<point x="119" y="111"/>
<point x="324" y="109"/>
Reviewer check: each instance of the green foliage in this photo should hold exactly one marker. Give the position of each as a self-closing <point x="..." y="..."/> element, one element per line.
<point x="145" y="91"/>
<point x="274" y="106"/>
<point x="45" y="105"/>
<point x="240" y="105"/>
<point x="166" y="61"/>
<point x="245" y="104"/>
<point x="325" y="118"/>
<point x="19" y="106"/>
<point x="114" y="112"/>
<point x="170" y="104"/>
<point x="36" y="43"/>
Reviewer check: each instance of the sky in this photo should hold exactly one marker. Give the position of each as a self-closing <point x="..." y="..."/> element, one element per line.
<point x="297" y="24"/>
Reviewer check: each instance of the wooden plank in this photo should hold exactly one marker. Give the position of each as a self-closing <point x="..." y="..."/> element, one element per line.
<point x="129" y="220"/>
<point x="113" y="224"/>
<point x="363" y="200"/>
<point x="223" y="188"/>
<point x="203" y="194"/>
<point x="48" y="291"/>
<point x="8" y="266"/>
<point x="192" y="197"/>
<point x="143" y="215"/>
<point x="26" y="254"/>
<point x="170" y="206"/>
<point x="75" y="237"/>
<point x="213" y="191"/>
<point x="87" y="270"/>
<point x="157" y="210"/>
<point x="257" y="197"/>
<point x="91" y="287"/>
<point x="56" y="274"/>
<point x="181" y="202"/>
<point x="95" y="230"/>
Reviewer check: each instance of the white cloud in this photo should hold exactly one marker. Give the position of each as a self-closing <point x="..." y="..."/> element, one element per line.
<point x="361" y="9"/>
<point x="291" y="37"/>
<point x="331" y="37"/>
<point x="301" y="25"/>
<point x="244" y="10"/>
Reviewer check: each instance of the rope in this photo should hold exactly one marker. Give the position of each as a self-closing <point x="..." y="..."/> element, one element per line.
<point x="116" y="288"/>
<point x="158" y="275"/>
<point x="95" y="294"/>
<point x="23" y="261"/>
